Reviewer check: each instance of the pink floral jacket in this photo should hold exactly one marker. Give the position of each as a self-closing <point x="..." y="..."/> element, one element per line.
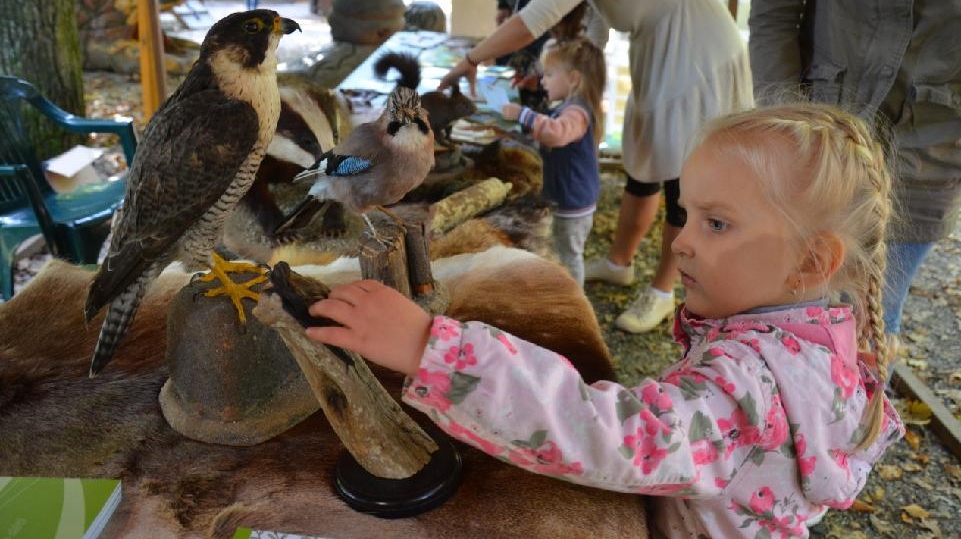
<point x="751" y="433"/>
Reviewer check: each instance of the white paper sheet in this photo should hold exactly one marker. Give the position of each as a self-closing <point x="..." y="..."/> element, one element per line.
<point x="494" y="95"/>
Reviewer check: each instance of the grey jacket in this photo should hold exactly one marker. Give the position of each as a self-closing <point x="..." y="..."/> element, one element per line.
<point x="896" y="63"/>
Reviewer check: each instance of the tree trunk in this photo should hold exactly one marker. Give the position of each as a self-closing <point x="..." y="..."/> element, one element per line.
<point x="39" y="43"/>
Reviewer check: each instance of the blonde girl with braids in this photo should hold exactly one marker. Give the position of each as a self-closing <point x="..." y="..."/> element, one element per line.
<point x="568" y="136"/>
<point x="776" y="410"/>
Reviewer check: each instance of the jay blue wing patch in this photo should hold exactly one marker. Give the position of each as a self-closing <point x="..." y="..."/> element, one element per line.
<point x="346" y="165"/>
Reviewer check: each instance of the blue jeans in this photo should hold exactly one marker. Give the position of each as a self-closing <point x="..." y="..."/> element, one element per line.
<point x="904" y="260"/>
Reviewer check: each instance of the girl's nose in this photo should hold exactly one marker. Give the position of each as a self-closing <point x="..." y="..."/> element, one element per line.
<point x="681" y="246"/>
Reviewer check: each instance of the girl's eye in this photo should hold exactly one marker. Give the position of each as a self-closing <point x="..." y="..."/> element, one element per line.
<point x="716" y="225"/>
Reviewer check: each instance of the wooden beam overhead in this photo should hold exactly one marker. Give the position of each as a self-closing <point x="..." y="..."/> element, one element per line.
<point x="153" y="76"/>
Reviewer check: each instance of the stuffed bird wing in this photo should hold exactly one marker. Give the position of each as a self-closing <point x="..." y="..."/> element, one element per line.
<point x="344" y="165"/>
<point x="187" y="161"/>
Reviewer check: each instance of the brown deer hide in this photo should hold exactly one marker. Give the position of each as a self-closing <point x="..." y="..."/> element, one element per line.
<point x="55" y="421"/>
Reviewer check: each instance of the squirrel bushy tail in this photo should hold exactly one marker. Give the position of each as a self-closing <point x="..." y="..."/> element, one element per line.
<point x="442" y="109"/>
<point x="405" y="63"/>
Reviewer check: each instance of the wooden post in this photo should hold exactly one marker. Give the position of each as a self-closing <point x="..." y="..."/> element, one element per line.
<point x="384" y="258"/>
<point x="943" y="422"/>
<point x="418" y="258"/>
<point x="153" y="76"/>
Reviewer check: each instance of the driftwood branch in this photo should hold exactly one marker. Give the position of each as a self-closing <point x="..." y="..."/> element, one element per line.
<point x="466" y="203"/>
<point x="380" y="436"/>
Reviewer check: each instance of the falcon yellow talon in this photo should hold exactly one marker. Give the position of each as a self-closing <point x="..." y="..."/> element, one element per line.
<point x="234" y="290"/>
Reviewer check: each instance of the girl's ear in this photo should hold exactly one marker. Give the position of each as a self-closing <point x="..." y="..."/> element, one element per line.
<point x="825" y="253"/>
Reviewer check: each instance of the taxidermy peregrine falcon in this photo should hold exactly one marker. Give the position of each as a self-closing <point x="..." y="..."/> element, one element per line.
<point x="197" y="157"/>
<point x="375" y="165"/>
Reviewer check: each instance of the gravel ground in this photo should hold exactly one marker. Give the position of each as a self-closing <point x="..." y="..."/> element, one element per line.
<point x="916" y="489"/>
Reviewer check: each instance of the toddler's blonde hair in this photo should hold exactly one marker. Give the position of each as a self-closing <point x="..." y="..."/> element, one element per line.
<point x="831" y="176"/>
<point x="581" y="55"/>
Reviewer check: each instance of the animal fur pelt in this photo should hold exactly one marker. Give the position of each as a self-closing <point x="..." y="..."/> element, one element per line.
<point x="56" y="421"/>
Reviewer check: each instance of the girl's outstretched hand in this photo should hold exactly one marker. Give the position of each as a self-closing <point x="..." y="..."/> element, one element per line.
<point x="378" y="323"/>
<point x="511" y="112"/>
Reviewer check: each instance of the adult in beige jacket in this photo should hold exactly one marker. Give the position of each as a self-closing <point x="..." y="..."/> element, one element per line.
<point x="688" y="64"/>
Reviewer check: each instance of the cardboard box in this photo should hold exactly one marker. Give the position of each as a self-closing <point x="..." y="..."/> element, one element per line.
<point x="72" y="168"/>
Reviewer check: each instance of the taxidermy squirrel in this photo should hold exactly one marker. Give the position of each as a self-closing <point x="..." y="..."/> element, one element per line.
<point x="442" y="109"/>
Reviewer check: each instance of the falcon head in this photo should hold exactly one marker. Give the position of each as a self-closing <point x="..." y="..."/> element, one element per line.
<point x="403" y="109"/>
<point x="247" y="38"/>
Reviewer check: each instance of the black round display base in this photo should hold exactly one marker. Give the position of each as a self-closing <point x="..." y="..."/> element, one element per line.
<point x="399" y="498"/>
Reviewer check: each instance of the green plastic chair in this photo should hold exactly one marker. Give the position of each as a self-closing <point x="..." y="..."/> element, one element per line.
<point x="74" y="225"/>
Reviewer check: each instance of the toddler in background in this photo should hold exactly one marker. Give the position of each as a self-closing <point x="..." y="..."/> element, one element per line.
<point x="574" y="74"/>
<point x="776" y="410"/>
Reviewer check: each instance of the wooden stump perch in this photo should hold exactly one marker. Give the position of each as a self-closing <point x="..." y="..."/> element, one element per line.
<point x="380" y="436"/>
<point x="386" y="260"/>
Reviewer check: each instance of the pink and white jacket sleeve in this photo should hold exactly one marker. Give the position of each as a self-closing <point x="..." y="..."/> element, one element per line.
<point x="529" y="406"/>
<point x="569" y="126"/>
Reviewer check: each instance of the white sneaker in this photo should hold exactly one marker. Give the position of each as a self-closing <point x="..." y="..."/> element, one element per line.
<point x="646" y="312"/>
<point x="599" y="269"/>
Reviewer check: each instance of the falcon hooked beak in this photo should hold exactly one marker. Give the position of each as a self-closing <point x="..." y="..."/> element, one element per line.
<point x="284" y="26"/>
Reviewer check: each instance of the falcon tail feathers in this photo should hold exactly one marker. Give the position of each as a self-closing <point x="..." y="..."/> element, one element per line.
<point x="116" y="322"/>
<point x="116" y="273"/>
<point x="302" y="215"/>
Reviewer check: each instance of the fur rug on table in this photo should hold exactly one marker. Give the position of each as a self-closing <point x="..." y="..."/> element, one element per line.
<point x="55" y="421"/>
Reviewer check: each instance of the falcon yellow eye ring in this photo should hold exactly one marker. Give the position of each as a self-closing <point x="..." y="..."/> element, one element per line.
<point x="252" y="26"/>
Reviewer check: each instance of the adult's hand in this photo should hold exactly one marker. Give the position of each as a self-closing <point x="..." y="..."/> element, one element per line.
<point x="462" y="69"/>
<point x="508" y="37"/>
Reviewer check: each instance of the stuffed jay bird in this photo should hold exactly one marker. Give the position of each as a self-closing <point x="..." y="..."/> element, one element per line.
<point x="377" y="164"/>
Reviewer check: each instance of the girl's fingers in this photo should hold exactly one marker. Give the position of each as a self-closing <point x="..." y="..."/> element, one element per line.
<point x="337" y="310"/>
<point x="332" y="335"/>
<point x="352" y="293"/>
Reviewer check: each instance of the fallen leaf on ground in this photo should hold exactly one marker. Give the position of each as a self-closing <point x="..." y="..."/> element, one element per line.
<point x="889" y="472"/>
<point x="881" y="526"/>
<point x="862" y="507"/>
<point x="916" y="511"/>
<point x="922" y="483"/>
<point x="916" y="413"/>
<point x="836" y="531"/>
<point x="911" y="467"/>
<point x="912" y="438"/>
<point x="932" y="525"/>
<point x="953" y="470"/>
<point x="920" y="364"/>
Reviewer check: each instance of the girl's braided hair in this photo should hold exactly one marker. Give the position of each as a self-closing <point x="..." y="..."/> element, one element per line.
<point x="830" y="176"/>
